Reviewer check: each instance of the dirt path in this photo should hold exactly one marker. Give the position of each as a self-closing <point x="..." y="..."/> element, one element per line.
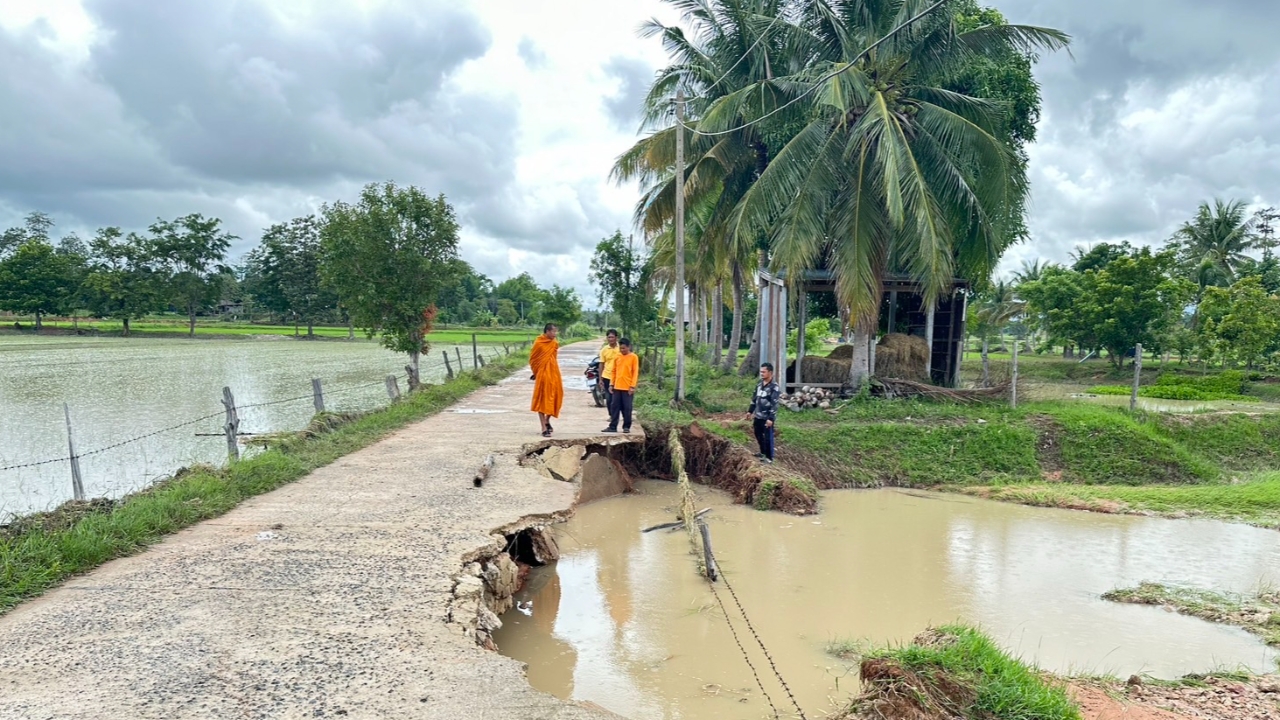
<point x="330" y="597"/>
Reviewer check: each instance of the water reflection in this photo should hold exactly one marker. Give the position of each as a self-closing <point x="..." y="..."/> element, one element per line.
<point x="639" y="634"/>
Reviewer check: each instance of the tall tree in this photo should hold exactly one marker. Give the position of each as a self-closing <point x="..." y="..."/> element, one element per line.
<point x="1240" y="324"/>
<point x="523" y="291"/>
<point x="35" y="279"/>
<point x="623" y="278"/>
<point x="36" y="226"/>
<point x="290" y="269"/>
<point x="191" y="251"/>
<point x="1133" y="299"/>
<point x="1213" y="246"/>
<point x="863" y="137"/>
<point x="388" y="255"/>
<point x="121" y="283"/>
<point x="561" y="306"/>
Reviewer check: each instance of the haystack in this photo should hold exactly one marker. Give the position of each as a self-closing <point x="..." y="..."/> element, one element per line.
<point x="901" y="356"/>
<point x="821" y="371"/>
<point x="842" y="352"/>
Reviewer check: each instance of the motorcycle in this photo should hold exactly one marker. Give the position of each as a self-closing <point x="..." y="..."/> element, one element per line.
<point x="595" y="384"/>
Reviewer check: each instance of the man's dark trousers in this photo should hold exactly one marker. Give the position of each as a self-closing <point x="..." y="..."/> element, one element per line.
<point x="764" y="436"/>
<point x="620" y="403"/>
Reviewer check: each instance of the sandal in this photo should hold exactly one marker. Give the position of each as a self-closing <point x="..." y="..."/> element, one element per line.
<point x="546" y="433"/>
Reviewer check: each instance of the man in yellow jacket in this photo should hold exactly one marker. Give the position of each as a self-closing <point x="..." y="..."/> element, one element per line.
<point x="626" y="375"/>
<point x="608" y="355"/>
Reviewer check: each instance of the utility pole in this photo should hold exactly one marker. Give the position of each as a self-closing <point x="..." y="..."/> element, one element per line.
<point x="680" y="305"/>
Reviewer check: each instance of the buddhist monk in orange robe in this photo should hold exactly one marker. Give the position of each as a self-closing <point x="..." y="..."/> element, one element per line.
<point x="548" y="389"/>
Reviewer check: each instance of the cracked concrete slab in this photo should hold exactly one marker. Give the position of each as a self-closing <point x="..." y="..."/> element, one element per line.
<point x="330" y="597"/>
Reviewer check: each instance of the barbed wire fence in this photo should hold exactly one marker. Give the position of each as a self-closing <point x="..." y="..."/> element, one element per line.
<point x="440" y="364"/>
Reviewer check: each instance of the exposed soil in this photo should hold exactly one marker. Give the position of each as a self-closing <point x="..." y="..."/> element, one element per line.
<point x="712" y="460"/>
<point x="1048" y="446"/>
<point x="1208" y="699"/>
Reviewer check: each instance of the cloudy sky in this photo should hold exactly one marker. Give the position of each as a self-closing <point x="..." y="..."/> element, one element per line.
<point x="114" y="112"/>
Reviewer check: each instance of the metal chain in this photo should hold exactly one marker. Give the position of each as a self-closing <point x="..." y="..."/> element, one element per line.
<point x="743" y="650"/>
<point x="756" y="635"/>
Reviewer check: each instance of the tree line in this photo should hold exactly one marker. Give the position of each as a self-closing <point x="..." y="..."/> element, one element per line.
<point x="386" y="263"/>
<point x="1211" y="292"/>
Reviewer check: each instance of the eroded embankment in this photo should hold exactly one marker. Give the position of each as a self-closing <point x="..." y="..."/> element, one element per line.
<point x="791" y="485"/>
<point x="491" y="576"/>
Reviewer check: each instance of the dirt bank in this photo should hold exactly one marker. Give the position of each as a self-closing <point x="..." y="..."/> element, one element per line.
<point x="1222" y="698"/>
<point x="342" y="594"/>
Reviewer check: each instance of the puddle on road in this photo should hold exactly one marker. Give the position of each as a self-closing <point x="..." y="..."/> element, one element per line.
<point x="622" y="621"/>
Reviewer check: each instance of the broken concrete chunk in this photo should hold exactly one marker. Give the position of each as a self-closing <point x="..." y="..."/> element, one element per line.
<point x="602" y="478"/>
<point x="563" y="462"/>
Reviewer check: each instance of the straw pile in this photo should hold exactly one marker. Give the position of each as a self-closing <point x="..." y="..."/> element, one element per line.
<point x="900" y="356"/>
<point x="821" y="371"/>
<point x="842" y="352"/>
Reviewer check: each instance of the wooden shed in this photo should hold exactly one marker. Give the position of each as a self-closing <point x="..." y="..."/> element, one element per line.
<point x="902" y="310"/>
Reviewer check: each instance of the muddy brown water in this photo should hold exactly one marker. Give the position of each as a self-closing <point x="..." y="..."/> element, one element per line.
<point x="623" y="621"/>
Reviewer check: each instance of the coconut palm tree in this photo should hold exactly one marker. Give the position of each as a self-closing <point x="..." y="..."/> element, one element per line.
<point x="1214" y="245"/>
<point x="730" y="44"/>
<point x="889" y="171"/>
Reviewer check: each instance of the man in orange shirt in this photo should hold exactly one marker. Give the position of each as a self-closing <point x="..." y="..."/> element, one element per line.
<point x="608" y="356"/>
<point x="626" y="375"/>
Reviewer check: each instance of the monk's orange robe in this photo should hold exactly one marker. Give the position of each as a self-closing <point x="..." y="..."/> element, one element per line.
<point x="548" y="388"/>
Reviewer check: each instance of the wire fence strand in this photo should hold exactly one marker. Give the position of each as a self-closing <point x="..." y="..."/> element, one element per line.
<point x="755" y="634"/>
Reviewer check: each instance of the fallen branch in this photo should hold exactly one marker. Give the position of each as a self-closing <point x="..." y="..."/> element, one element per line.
<point x="678" y="523"/>
<point x="483" y="473"/>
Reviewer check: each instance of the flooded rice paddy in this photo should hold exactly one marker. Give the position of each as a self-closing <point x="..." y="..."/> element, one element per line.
<point x="623" y="621"/>
<point x="120" y="388"/>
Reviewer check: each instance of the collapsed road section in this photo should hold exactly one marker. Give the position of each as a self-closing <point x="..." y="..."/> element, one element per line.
<point x="362" y="590"/>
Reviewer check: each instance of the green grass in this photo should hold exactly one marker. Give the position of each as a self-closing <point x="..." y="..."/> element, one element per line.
<point x="959" y="671"/>
<point x="1226" y="385"/>
<point x="1255" y="500"/>
<point x="176" y="326"/>
<point x="1258" y="613"/>
<point x="1064" y="453"/>
<point x="39" y="552"/>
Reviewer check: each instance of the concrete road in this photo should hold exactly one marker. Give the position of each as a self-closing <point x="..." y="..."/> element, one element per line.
<point x="326" y="598"/>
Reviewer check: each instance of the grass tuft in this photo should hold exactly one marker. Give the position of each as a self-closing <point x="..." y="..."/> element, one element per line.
<point x="1259" y="614"/>
<point x="956" y="672"/>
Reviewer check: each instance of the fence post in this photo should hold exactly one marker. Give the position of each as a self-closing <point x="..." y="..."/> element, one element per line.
<point x="232" y="428"/>
<point x="506" y="350"/>
<point x="317" y="395"/>
<point x="475" y="353"/>
<point x="447" y="367"/>
<point x="1013" y="390"/>
<point x="77" y="483"/>
<point x="708" y="559"/>
<point x="1137" y="376"/>
<point x="458" y="351"/>
<point x="393" y="387"/>
<point x="480" y="359"/>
